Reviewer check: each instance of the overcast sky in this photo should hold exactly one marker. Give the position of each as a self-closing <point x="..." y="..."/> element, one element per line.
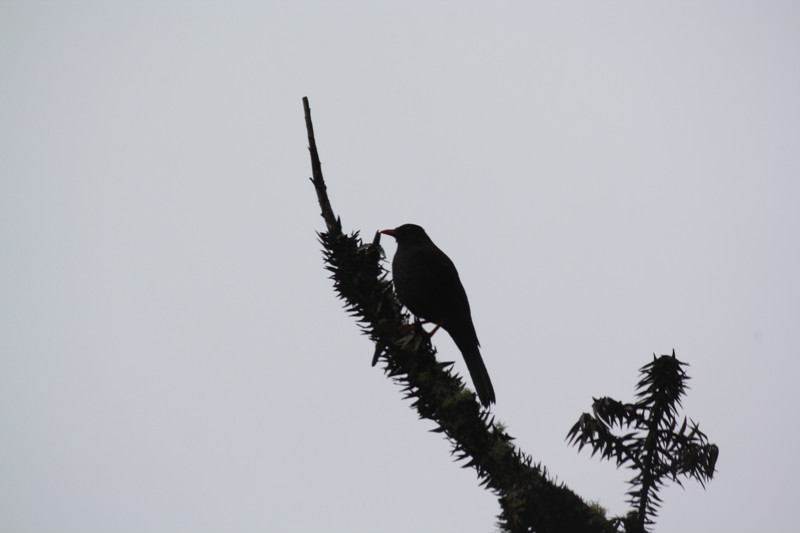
<point x="612" y="179"/>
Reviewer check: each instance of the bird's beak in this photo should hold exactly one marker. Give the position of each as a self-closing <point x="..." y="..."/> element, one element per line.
<point x="388" y="232"/>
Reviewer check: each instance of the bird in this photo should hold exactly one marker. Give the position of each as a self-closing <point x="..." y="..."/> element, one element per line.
<point x="427" y="283"/>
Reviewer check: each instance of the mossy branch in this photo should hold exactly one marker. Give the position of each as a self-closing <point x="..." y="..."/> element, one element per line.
<point x="529" y="499"/>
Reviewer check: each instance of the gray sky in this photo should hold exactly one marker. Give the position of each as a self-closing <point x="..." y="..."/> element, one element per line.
<point x="612" y="180"/>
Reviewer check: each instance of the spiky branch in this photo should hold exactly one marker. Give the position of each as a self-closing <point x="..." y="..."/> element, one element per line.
<point x="530" y="501"/>
<point x="658" y="449"/>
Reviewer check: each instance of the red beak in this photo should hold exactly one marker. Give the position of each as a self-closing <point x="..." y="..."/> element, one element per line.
<point x="387" y="232"/>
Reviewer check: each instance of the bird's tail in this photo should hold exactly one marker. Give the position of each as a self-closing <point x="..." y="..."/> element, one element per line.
<point x="477" y="370"/>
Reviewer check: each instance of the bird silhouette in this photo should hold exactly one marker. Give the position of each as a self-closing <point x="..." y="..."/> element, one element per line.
<point x="427" y="283"/>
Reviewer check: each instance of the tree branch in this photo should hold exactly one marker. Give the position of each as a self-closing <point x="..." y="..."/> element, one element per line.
<point x="530" y="501"/>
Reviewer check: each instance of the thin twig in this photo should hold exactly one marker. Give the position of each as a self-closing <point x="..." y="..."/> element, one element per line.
<point x="334" y="224"/>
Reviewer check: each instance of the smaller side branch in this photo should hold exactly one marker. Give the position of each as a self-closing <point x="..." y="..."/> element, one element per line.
<point x="658" y="448"/>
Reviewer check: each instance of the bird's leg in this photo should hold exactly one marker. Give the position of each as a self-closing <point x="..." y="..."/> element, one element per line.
<point x="434" y="330"/>
<point x="420" y="323"/>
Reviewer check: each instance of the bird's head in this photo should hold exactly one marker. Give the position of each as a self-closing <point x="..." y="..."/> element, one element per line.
<point x="408" y="234"/>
